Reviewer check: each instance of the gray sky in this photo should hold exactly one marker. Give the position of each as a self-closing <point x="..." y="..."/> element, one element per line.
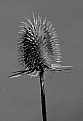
<point x="20" y="97"/>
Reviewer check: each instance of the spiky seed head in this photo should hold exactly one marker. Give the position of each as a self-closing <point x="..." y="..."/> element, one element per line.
<point x="38" y="48"/>
<point x="38" y="44"/>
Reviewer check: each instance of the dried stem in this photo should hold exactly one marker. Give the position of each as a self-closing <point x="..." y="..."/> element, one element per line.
<point x="43" y="102"/>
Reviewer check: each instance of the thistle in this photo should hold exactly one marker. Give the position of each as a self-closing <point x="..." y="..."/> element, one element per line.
<point x="38" y="51"/>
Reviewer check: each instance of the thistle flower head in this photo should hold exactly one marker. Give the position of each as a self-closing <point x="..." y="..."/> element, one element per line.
<point x="38" y="46"/>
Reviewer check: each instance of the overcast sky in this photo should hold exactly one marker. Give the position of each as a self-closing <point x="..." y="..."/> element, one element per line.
<point x="20" y="97"/>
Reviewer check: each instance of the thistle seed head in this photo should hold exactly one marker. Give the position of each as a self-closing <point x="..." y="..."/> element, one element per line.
<point x="38" y="44"/>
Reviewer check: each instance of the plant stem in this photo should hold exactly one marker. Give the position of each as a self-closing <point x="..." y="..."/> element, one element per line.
<point x="43" y="103"/>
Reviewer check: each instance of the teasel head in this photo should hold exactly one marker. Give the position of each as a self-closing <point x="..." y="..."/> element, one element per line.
<point x="38" y="47"/>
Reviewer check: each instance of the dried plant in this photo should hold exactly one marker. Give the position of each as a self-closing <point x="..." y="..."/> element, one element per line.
<point x="38" y="52"/>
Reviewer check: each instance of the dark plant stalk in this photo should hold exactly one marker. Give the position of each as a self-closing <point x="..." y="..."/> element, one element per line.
<point x="42" y="91"/>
